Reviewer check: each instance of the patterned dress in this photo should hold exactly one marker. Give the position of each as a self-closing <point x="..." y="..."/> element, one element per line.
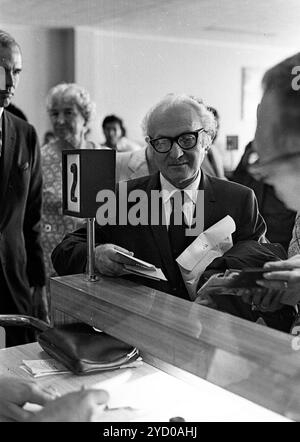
<point x="54" y="225"/>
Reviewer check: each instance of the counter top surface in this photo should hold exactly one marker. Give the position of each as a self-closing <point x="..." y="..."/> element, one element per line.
<point x="153" y="394"/>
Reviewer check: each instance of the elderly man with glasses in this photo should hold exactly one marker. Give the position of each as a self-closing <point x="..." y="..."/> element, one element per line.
<point x="179" y="130"/>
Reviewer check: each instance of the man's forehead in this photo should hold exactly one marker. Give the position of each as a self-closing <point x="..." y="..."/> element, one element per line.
<point x="10" y="54"/>
<point x="174" y="117"/>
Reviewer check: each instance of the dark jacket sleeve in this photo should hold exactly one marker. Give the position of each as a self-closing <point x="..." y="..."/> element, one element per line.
<point x="32" y="219"/>
<point x="70" y="256"/>
<point x="250" y="224"/>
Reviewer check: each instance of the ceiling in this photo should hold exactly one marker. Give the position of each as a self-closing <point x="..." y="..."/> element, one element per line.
<point x="269" y="22"/>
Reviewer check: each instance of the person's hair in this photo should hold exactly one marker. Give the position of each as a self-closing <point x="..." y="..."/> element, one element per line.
<point x="173" y="100"/>
<point x="279" y="79"/>
<point x="75" y="94"/>
<point x="214" y="112"/>
<point x="7" y="41"/>
<point x="114" y="119"/>
<point x="217" y="118"/>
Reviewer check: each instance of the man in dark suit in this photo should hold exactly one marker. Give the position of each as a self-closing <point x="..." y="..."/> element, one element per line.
<point x="22" y="277"/>
<point x="179" y="130"/>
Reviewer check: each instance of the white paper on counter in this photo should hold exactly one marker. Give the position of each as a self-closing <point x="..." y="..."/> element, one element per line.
<point x="209" y="245"/>
<point x="44" y="367"/>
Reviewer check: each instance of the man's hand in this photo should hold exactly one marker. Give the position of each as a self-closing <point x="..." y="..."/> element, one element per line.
<point x="15" y="392"/>
<point x="282" y="279"/>
<point x="108" y="262"/>
<point x="80" y="406"/>
<point x="282" y="275"/>
<point x="40" y="305"/>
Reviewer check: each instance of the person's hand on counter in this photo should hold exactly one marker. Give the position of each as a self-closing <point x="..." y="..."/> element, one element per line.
<point x="15" y="392"/>
<point x="108" y="262"/>
<point x="78" y="406"/>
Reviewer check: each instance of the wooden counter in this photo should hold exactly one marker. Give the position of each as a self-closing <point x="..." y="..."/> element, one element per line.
<point x="158" y="395"/>
<point x="255" y="362"/>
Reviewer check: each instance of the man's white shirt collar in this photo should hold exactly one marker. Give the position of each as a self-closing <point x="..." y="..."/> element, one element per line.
<point x="190" y="193"/>
<point x="191" y="190"/>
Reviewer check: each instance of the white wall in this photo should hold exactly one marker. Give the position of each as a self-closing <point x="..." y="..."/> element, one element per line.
<point x="127" y="74"/>
<point x="48" y="59"/>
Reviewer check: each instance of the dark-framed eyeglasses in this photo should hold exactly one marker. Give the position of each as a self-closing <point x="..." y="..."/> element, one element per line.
<point x="186" y="141"/>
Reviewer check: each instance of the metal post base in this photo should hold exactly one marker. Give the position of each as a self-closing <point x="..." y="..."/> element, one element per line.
<point x="91" y="278"/>
<point x="91" y="275"/>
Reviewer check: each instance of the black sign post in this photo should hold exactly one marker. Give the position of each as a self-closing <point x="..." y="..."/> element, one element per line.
<point x="84" y="173"/>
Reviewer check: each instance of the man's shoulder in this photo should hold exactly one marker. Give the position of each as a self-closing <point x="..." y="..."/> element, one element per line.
<point x="143" y="183"/>
<point x="18" y="123"/>
<point x="224" y="186"/>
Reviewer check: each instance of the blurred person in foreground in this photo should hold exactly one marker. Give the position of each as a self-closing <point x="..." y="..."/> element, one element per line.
<point x="78" y="406"/>
<point x="277" y="142"/>
<point x="279" y="219"/>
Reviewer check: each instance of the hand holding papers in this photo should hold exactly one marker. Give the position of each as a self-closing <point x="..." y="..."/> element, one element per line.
<point x="209" y="245"/>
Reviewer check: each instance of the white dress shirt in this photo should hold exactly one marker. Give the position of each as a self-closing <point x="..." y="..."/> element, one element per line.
<point x="190" y="198"/>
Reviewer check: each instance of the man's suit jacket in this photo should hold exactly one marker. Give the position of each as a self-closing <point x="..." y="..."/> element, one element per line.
<point x="21" y="256"/>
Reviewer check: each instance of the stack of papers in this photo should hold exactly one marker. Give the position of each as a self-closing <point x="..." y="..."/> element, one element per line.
<point x="140" y="267"/>
<point x="153" y="273"/>
<point x="43" y="367"/>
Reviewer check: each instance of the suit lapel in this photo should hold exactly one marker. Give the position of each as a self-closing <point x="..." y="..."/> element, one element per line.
<point x="209" y="201"/>
<point x="8" y="150"/>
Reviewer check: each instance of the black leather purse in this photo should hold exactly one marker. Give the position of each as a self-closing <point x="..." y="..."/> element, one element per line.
<point x="83" y="350"/>
<point x="77" y="346"/>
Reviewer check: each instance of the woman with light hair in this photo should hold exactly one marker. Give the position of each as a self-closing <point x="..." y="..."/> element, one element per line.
<point x="70" y="110"/>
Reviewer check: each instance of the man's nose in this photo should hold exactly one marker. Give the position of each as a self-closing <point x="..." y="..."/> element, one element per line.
<point x="61" y="118"/>
<point x="176" y="151"/>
